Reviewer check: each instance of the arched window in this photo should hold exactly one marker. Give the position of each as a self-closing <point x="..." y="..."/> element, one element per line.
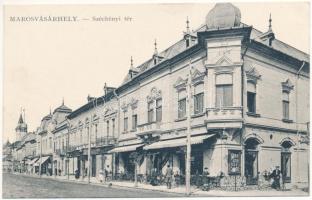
<point x="286" y="161"/>
<point x="251" y="161"/>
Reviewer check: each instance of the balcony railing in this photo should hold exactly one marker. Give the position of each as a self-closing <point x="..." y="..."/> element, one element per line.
<point x="60" y="151"/>
<point x="149" y="128"/>
<point x="104" y="141"/>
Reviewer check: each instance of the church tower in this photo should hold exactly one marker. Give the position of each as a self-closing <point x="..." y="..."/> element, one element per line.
<point x="21" y="128"/>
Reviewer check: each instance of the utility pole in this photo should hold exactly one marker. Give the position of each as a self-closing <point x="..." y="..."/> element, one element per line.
<point x="89" y="149"/>
<point x="188" y="140"/>
<point x="40" y="156"/>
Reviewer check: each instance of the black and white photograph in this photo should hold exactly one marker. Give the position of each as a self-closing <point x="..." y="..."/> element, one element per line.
<point x="156" y="100"/>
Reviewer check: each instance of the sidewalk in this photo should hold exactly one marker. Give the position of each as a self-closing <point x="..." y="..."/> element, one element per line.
<point x="179" y="189"/>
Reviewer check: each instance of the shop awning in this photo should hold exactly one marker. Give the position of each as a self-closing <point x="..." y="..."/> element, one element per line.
<point x="44" y="159"/>
<point x="177" y="142"/>
<point x="33" y="161"/>
<point x="125" y="148"/>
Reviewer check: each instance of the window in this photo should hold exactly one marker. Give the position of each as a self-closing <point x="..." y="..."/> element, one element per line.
<point x="113" y="126"/>
<point x="96" y="131"/>
<point x="224" y="90"/>
<point x="187" y="42"/>
<point x="150" y="107"/>
<point x="107" y="127"/>
<point x="182" y="104"/>
<point x="224" y="97"/>
<point x="251" y="97"/>
<point x="134" y="122"/>
<point x="285" y="105"/>
<point x="199" y="99"/>
<point x="158" y="110"/>
<point x="125" y="123"/>
<point x="234" y="162"/>
<point x="62" y="144"/>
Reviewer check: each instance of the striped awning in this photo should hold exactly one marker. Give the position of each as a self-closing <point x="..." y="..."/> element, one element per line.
<point x="177" y="142"/>
<point x="125" y="148"/>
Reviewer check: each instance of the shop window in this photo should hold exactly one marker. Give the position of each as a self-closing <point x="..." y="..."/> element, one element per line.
<point x="234" y="162"/>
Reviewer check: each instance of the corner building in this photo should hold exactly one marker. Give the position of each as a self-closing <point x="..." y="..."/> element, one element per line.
<point x="249" y="93"/>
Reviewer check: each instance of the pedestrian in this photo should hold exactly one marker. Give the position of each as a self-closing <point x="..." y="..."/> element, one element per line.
<point x="206" y="184"/>
<point x="168" y="176"/>
<point x="77" y="174"/>
<point x="101" y="175"/>
<point x="59" y="172"/>
<point x="276" y="175"/>
<point x="154" y="177"/>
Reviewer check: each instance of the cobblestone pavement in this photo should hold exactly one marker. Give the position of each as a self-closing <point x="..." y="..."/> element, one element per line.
<point x="17" y="186"/>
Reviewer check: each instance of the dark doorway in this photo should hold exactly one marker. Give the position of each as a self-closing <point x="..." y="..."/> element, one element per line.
<point x="93" y="165"/>
<point x="251" y="161"/>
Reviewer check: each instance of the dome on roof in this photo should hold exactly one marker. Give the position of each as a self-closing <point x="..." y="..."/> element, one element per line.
<point x="223" y="15"/>
<point x="47" y="117"/>
<point x="62" y="108"/>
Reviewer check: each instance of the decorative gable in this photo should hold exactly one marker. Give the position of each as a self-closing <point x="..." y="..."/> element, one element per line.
<point x="197" y="76"/>
<point x="252" y="73"/>
<point x="180" y="83"/>
<point x="287" y="86"/>
<point x="224" y="61"/>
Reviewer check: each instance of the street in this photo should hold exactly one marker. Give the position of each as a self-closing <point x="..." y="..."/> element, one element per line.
<point x="19" y="186"/>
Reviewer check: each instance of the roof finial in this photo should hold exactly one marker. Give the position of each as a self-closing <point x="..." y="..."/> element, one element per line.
<point x="155" y="51"/>
<point x="50" y="110"/>
<point x="63" y="101"/>
<point x="270" y="23"/>
<point x="187" y="25"/>
<point x="131" y="62"/>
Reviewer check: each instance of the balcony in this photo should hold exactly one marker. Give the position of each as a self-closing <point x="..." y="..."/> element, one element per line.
<point x="224" y="117"/>
<point x="60" y="152"/>
<point x="152" y="128"/>
<point x="105" y="141"/>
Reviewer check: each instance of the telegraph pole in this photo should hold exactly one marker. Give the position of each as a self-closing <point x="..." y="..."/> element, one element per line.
<point x="188" y="140"/>
<point x="40" y="155"/>
<point x="89" y="149"/>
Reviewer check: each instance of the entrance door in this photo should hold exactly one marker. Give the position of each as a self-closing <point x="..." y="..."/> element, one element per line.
<point x="93" y="166"/>
<point x="286" y="166"/>
<point x="251" y="167"/>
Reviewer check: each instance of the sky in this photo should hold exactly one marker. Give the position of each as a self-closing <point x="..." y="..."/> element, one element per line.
<point x="45" y="62"/>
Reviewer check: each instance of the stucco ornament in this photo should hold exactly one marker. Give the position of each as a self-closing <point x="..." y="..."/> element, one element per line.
<point x="134" y="103"/>
<point x="287" y="86"/>
<point x="154" y="94"/>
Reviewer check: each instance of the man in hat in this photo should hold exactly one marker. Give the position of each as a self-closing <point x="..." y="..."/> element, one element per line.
<point x="276" y="175"/>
